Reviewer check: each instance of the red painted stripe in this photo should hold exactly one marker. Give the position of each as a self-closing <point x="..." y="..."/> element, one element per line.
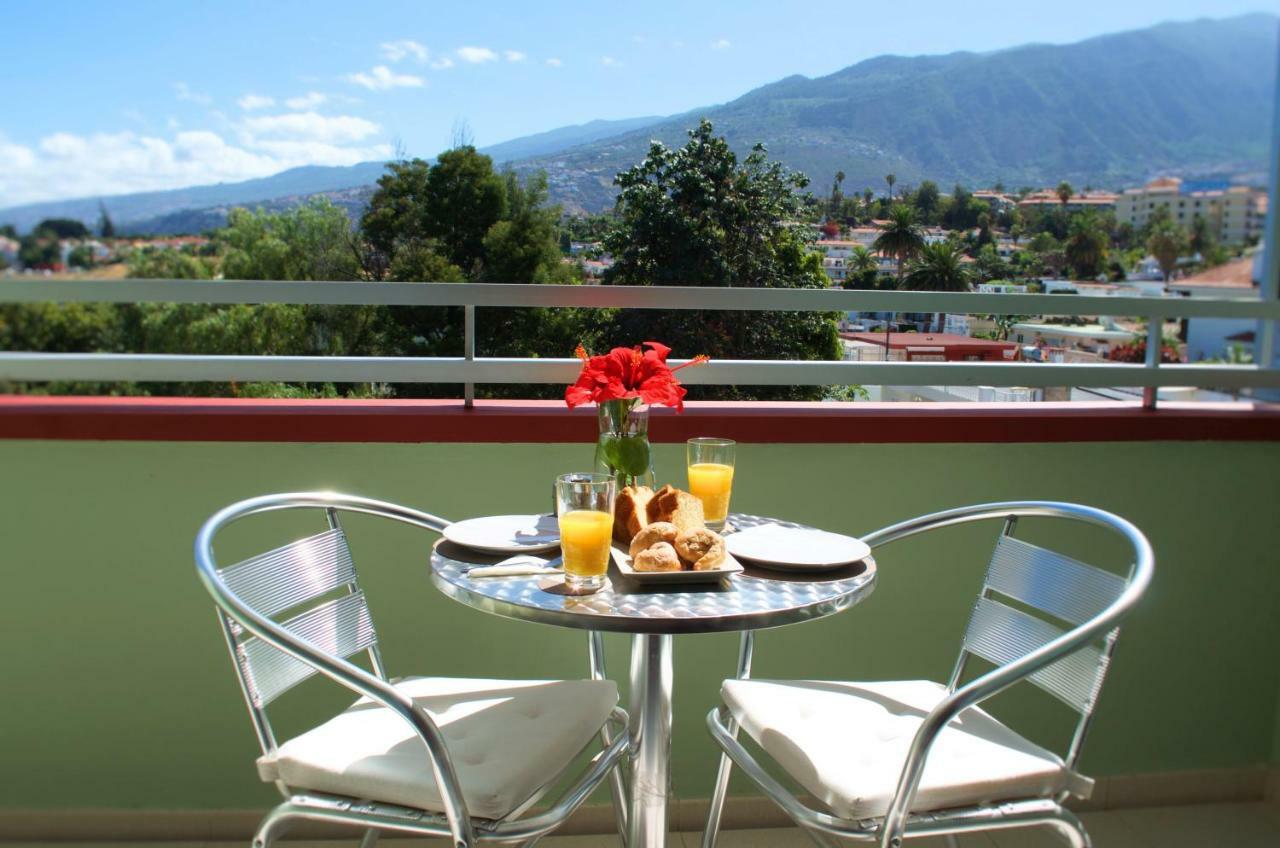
<point x="258" y="420"/>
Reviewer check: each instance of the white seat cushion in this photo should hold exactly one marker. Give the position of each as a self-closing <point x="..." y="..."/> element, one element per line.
<point x="506" y="738"/>
<point x="847" y="743"/>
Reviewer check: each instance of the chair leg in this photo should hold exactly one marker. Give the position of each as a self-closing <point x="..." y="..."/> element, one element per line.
<point x="952" y="841"/>
<point x="273" y="826"/>
<point x="370" y="838"/>
<point x="1072" y="829"/>
<point x="712" y="830"/>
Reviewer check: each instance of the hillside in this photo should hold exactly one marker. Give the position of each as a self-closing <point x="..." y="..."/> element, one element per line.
<point x="1190" y="98"/>
<point x="202" y="207"/>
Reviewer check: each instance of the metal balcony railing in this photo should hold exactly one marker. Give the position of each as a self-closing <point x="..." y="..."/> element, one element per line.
<point x="468" y="369"/>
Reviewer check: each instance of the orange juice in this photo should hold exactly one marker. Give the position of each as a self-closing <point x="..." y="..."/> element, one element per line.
<point x="585" y="536"/>
<point x="712" y="482"/>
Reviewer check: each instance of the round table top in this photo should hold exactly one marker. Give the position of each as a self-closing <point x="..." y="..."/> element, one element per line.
<point x="753" y="599"/>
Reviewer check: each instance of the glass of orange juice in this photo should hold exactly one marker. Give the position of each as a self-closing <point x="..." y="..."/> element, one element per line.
<point x="584" y="506"/>
<point x="711" y="476"/>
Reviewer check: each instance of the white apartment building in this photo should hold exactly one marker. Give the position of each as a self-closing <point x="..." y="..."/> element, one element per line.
<point x="1234" y="214"/>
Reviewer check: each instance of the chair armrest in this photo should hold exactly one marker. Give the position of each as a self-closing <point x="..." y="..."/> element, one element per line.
<point x="1002" y="677"/>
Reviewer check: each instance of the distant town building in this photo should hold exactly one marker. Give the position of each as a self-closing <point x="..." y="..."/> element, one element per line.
<point x="996" y="200"/>
<point x="925" y="347"/>
<point x="1090" y="338"/>
<point x="1212" y="338"/>
<point x="1234" y="213"/>
<point x="1100" y="201"/>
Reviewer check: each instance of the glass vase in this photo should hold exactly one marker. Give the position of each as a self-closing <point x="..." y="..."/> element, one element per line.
<point x="622" y="447"/>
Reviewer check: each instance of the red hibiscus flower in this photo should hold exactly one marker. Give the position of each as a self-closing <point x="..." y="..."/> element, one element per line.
<point x="629" y="372"/>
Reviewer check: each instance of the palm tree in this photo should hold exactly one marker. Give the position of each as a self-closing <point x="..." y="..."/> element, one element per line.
<point x="1064" y="192"/>
<point x="890" y="179"/>
<point x="1166" y="243"/>
<point x="860" y="267"/>
<point x="1086" y="246"/>
<point x="901" y="236"/>
<point x="938" y="267"/>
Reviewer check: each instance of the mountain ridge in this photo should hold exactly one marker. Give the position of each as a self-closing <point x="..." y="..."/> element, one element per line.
<point x="1191" y="98"/>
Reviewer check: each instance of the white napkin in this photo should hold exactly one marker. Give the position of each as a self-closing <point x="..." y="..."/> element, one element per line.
<point x="521" y="564"/>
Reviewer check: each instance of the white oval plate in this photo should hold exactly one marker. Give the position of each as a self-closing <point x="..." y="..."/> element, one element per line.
<point x="623" y="560"/>
<point x="795" y="548"/>
<point x="506" y="534"/>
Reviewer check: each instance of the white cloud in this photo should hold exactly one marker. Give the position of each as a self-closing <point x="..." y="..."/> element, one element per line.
<point x="514" y="55"/>
<point x="381" y="78"/>
<point x="306" y="102"/>
<point x="402" y="49"/>
<point x="65" y="165"/>
<point x="183" y="92"/>
<point x="555" y="63"/>
<point x="610" y="62"/>
<point x="677" y="44"/>
<point x="309" y="126"/>
<point x="476" y="55"/>
<point x="720" y="44"/>
<point x="255" y="101"/>
<point x="639" y="39"/>
<point x="442" y="63"/>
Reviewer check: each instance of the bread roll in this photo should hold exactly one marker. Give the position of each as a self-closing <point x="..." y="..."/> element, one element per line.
<point x="659" y="531"/>
<point x="629" y="515"/>
<point x="659" y="556"/>
<point x="703" y="549"/>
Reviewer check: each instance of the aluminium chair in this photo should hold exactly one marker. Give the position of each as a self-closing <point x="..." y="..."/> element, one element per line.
<point x="891" y="760"/>
<point x="449" y="757"/>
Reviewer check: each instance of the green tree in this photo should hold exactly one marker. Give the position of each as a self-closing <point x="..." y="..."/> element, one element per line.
<point x="167" y="264"/>
<point x="1201" y="239"/>
<point x="890" y="179"/>
<point x="1064" y="192"/>
<point x="522" y="248"/>
<point x="312" y="241"/>
<point x="63" y="228"/>
<point x="698" y="216"/>
<point x="1086" y="245"/>
<point x="106" y="227"/>
<point x="464" y="198"/>
<point x="1166" y="243"/>
<point x="988" y="265"/>
<point x="901" y="237"/>
<point x="396" y="219"/>
<point x="38" y="250"/>
<point x="862" y="269"/>
<point x="926" y="200"/>
<point x="937" y="267"/>
<point x="81" y="256"/>
<point x="8" y="231"/>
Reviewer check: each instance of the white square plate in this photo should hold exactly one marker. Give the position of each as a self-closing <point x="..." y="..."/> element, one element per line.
<point x="623" y="560"/>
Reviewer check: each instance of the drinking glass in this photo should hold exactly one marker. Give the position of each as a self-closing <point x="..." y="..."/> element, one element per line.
<point x="710" y="465"/>
<point x="584" y="507"/>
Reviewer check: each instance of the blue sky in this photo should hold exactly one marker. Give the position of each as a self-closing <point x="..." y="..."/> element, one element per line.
<point x="106" y="98"/>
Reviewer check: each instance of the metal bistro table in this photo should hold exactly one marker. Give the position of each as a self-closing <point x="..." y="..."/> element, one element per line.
<point x="752" y="600"/>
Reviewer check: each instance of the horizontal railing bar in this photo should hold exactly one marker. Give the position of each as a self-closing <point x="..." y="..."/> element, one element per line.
<point x="630" y="297"/>
<point x="39" y="367"/>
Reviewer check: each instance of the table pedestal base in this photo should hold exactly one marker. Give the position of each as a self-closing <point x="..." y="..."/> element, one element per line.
<point x="650" y="710"/>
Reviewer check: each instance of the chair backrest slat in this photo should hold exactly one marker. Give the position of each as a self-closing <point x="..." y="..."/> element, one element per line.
<point x="340" y="627"/>
<point x="1058" y="585"/>
<point x="292" y="574"/>
<point x="1000" y="634"/>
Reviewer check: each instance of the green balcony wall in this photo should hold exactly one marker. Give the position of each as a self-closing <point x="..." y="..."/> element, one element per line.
<point x="119" y="692"/>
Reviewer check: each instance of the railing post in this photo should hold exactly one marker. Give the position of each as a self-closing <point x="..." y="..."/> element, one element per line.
<point x="469" y="351"/>
<point x="1155" y="334"/>
<point x="1264" y="350"/>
